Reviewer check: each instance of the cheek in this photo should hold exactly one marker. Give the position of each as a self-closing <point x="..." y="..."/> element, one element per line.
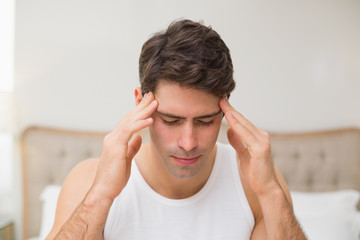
<point x="210" y="134"/>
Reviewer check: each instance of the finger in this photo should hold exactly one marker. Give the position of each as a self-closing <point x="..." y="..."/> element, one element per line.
<point x="235" y="141"/>
<point x="146" y="100"/>
<point x="225" y="105"/>
<point x="134" y="146"/>
<point x="227" y="108"/>
<point x="123" y="133"/>
<point x="244" y="134"/>
<point x="141" y="124"/>
<point x="147" y="111"/>
<point x="242" y="151"/>
<point x="132" y="117"/>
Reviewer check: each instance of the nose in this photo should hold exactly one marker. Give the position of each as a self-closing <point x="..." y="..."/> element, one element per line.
<point x="188" y="138"/>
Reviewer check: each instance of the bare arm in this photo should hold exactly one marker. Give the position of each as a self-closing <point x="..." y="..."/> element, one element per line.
<point x="88" y="219"/>
<point x="279" y="219"/>
<point x="275" y="215"/>
<point x="256" y="165"/>
<point x="73" y="192"/>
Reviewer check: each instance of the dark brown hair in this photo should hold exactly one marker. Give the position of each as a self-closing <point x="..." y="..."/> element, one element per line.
<point x="190" y="55"/>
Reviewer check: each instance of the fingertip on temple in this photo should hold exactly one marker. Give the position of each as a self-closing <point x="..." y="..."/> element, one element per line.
<point x="223" y="103"/>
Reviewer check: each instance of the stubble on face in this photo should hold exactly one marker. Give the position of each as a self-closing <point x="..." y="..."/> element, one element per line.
<point x="184" y="171"/>
<point x="176" y="100"/>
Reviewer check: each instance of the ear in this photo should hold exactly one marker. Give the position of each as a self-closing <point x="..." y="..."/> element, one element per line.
<point x="138" y="95"/>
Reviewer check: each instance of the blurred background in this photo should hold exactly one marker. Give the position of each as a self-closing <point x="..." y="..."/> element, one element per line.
<point x="74" y="64"/>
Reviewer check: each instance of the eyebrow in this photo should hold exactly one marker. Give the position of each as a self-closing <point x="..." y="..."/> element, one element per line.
<point x="180" y="117"/>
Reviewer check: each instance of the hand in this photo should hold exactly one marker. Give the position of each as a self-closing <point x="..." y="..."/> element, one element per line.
<point x="118" y="150"/>
<point x="254" y="159"/>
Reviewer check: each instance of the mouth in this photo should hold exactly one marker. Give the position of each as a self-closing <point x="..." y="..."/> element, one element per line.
<point x="186" y="160"/>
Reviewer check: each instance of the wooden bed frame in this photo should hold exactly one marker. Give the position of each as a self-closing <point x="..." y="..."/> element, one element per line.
<point x="314" y="161"/>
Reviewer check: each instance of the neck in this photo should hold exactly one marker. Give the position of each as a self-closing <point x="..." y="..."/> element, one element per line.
<point x="160" y="180"/>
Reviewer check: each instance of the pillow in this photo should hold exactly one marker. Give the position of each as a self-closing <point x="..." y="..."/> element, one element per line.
<point x="49" y="198"/>
<point x="332" y="226"/>
<point x="328" y="215"/>
<point x="337" y="201"/>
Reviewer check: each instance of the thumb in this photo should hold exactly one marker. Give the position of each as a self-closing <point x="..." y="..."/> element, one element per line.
<point x="134" y="146"/>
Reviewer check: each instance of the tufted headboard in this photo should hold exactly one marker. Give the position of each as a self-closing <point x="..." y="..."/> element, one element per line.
<point x="317" y="161"/>
<point x="48" y="155"/>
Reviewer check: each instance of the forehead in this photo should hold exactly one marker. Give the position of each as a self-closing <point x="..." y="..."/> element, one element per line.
<point x="185" y="101"/>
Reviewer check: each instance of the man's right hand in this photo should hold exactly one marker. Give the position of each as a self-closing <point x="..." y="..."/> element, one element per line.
<point x="95" y="183"/>
<point x="118" y="150"/>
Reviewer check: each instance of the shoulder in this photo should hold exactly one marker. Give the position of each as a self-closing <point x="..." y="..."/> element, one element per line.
<point x="73" y="191"/>
<point x="80" y="179"/>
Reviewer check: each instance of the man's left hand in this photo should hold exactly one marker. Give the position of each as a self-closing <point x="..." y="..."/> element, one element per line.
<point x="255" y="161"/>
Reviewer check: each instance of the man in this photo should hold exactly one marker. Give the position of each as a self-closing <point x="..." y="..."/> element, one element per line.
<point x="182" y="184"/>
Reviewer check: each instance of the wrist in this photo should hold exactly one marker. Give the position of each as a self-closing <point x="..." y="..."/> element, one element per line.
<point x="96" y="198"/>
<point x="106" y="190"/>
<point x="272" y="193"/>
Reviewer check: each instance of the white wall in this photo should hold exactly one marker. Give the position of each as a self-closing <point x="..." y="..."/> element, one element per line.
<point x="297" y="63"/>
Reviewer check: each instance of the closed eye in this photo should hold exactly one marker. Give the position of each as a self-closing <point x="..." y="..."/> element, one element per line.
<point x="199" y="122"/>
<point x="170" y="122"/>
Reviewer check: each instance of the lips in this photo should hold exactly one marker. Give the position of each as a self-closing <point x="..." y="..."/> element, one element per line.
<point x="186" y="160"/>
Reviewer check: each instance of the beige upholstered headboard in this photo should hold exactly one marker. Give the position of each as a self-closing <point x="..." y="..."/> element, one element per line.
<point x="318" y="161"/>
<point x="48" y="155"/>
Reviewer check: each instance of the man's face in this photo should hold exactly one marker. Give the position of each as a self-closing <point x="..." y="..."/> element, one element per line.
<point x="185" y="129"/>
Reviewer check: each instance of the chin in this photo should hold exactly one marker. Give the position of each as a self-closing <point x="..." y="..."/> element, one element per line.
<point x="184" y="171"/>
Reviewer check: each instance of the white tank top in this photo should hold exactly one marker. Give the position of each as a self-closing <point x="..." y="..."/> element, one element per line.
<point x="219" y="210"/>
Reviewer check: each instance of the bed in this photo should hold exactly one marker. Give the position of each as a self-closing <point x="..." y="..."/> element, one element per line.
<point x="322" y="170"/>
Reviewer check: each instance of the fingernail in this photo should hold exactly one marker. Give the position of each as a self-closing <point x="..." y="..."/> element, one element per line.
<point x="145" y="95"/>
<point x="226" y="101"/>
